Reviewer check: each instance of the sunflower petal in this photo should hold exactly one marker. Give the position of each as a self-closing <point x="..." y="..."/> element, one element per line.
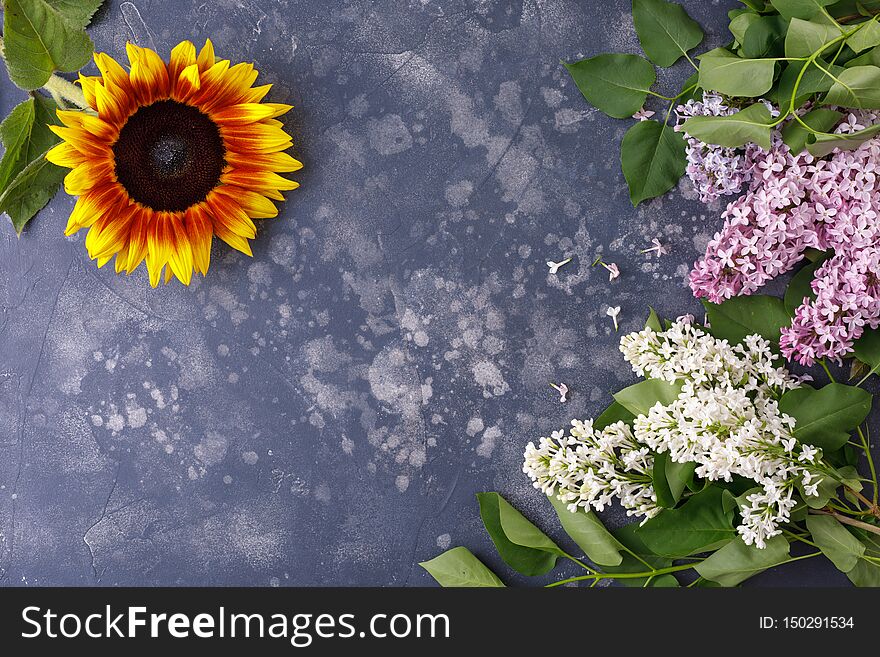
<point x="206" y="56"/>
<point x="255" y="205"/>
<point x="228" y="212"/>
<point x="115" y="77"/>
<point x="65" y="155"/>
<point x="149" y="75"/>
<point x="187" y="83"/>
<point x="137" y="239"/>
<point x="158" y="246"/>
<point x="92" y="206"/>
<point x="88" y="87"/>
<point x="200" y="231"/>
<point x="108" y="106"/>
<point x="182" y="55"/>
<point x="260" y="181"/>
<point x="277" y="162"/>
<point x="181" y="257"/>
<point x="86" y="176"/>
<point x="242" y="114"/>
<point x="257" y="137"/>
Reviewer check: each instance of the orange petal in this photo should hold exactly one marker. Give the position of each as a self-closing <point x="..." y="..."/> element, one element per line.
<point x="108" y="106"/>
<point x="137" y="239"/>
<point x="199" y="229"/>
<point x="242" y="114"/>
<point x="158" y="246"/>
<point x="92" y="206"/>
<point x="88" y="175"/>
<point x="115" y="77"/>
<point x="278" y="162"/>
<point x="255" y="205"/>
<point x="257" y="137"/>
<point x="187" y="83"/>
<point x="261" y="181"/>
<point x="180" y="260"/>
<point x="149" y="75"/>
<point x="225" y="210"/>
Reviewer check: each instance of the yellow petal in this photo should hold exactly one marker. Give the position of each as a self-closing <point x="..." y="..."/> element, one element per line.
<point x="278" y="162"/>
<point x="108" y="106"/>
<point x="65" y="155"/>
<point x="199" y="229"/>
<point x="137" y="239"/>
<point x="187" y="83"/>
<point x="115" y="77"/>
<point x="206" y="56"/>
<point x="229" y="213"/>
<point x="182" y="55"/>
<point x="255" y="205"/>
<point x="257" y="137"/>
<point x="261" y="181"/>
<point x="242" y="114"/>
<point x="86" y="176"/>
<point x="149" y="75"/>
<point x="88" y="86"/>
<point x="181" y="257"/>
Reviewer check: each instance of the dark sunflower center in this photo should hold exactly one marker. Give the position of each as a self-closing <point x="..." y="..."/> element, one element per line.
<point x="169" y="156"/>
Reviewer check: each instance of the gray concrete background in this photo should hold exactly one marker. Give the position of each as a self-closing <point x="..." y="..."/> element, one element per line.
<point x="324" y="412"/>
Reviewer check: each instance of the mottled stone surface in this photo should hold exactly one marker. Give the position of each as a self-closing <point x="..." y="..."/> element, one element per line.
<point x="324" y="412"/>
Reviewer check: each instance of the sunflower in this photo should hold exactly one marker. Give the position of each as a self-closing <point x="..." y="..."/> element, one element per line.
<point x="173" y="154"/>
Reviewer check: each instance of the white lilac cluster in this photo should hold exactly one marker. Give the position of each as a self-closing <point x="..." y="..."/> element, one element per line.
<point x="588" y="468"/>
<point x="714" y="170"/>
<point x="726" y="419"/>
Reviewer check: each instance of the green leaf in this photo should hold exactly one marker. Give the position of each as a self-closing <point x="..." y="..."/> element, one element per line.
<point x="870" y="58"/>
<point x="865" y="573"/>
<point x="614" y="413"/>
<point x="669" y="479"/>
<point x="825" y="417"/>
<point x="736" y="561"/>
<point x="765" y="37"/>
<point x="38" y="41"/>
<point x="800" y="287"/>
<point x="738" y="317"/>
<point x="458" y="567"/>
<point x="796" y="135"/>
<point x="826" y="490"/>
<point x="26" y="136"/>
<point x="665" y="30"/>
<point x="804" y="9"/>
<point x="654" y="323"/>
<point x="524" y="547"/>
<point x="814" y="80"/>
<point x="77" y="13"/>
<point x="653" y="159"/>
<point x="724" y="72"/>
<point x="822" y="145"/>
<point x="751" y="125"/>
<point x="638" y="559"/>
<point x="757" y="5"/>
<point x="740" y="24"/>
<point x="858" y="87"/>
<point x="867" y="349"/>
<point x="701" y="524"/>
<point x="30" y="190"/>
<point x="867" y="37"/>
<point x="639" y="398"/>
<point x="585" y="529"/>
<point x="842" y="548"/>
<point x="806" y="37"/>
<point x="615" y="84"/>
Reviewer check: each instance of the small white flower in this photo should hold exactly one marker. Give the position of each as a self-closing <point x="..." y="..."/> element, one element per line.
<point x="643" y="114"/>
<point x="562" y="389"/>
<point x="613" y="312"/>
<point x="658" y="248"/>
<point x="808" y="453"/>
<point x="554" y="266"/>
<point x="613" y="271"/>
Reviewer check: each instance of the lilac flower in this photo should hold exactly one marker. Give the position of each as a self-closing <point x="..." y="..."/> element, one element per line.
<point x="643" y="114"/>
<point x="795" y="202"/>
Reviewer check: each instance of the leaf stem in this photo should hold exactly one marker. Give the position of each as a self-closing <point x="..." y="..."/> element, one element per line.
<point x="597" y="576"/>
<point x="827" y="371"/>
<point x="846" y="520"/>
<point x="867" y="447"/>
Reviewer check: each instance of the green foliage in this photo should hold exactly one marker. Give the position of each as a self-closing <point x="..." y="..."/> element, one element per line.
<point x="640" y="397"/>
<point x="765" y="37"/>
<point x="669" y="479"/>
<point x="825" y="417"/>
<point x="614" y="413"/>
<point x="803" y="9"/>
<point x="842" y="548"/>
<point x="665" y="30"/>
<point x="800" y="287"/>
<point x="729" y="74"/>
<point x="736" y="561"/>
<point x="614" y="84"/>
<point x="751" y="125"/>
<point x="523" y="546"/>
<point x="458" y="567"/>
<point x="738" y="317"/>
<point x="39" y="39"/>
<point x="652" y="156"/>
<point x="27" y="179"/>
<point x="806" y="37"/>
<point x="858" y="87"/>
<point x="701" y="524"/>
<point x="585" y="529"/>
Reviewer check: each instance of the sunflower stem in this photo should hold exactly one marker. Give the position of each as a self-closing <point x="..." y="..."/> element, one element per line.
<point x="58" y="86"/>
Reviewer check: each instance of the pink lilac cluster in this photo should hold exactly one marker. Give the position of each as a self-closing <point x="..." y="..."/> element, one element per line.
<point x="795" y="202"/>
<point x="715" y="171"/>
